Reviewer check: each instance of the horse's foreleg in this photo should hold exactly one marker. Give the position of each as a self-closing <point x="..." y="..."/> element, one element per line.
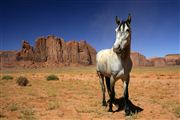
<point x="111" y="92"/>
<point x="108" y="86"/>
<point x="101" y="80"/>
<point x="126" y="96"/>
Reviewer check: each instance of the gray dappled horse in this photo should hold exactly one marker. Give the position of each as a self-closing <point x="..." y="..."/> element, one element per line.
<point x="115" y="63"/>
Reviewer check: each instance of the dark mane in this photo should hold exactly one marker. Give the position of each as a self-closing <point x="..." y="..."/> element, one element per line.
<point x="123" y="24"/>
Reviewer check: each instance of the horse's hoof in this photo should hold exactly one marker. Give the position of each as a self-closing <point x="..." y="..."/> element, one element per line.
<point x="110" y="110"/>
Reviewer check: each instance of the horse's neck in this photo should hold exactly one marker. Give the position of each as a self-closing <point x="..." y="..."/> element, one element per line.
<point x="126" y="53"/>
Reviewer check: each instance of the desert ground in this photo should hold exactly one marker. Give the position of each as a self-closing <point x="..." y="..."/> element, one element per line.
<point x="77" y="94"/>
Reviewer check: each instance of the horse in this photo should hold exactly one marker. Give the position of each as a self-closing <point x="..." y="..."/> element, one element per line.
<point x="115" y="63"/>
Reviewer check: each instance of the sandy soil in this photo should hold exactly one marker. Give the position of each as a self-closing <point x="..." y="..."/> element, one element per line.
<point x="77" y="95"/>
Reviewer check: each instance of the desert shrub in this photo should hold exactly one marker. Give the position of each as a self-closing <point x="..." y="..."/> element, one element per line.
<point x="2" y="115"/>
<point x="7" y="77"/>
<point x="27" y="114"/>
<point x="52" y="77"/>
<point x="53" y="105"/>
<point x="177" y="111"/>
<point x="22" y="81"/>
<point x="13" y="107"/>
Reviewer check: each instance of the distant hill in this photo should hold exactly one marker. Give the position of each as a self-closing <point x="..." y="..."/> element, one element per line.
<point x="52" y="51"/>
<point x="140" y="60"/>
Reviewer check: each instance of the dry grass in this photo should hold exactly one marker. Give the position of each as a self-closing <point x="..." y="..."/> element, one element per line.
<point x="27" y="114"/>
<point x="13" y="107"/>
<point x="53" y="105"/>
<point x="77" y="95"/>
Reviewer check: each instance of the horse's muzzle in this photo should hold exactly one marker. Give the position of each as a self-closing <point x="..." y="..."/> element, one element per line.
<point x="117" y="50"/>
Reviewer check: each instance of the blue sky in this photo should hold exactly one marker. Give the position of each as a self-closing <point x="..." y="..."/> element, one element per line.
<point x="155" y="24"/>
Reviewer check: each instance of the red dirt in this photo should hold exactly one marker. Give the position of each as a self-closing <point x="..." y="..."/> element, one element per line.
<point x="78" y="96"/>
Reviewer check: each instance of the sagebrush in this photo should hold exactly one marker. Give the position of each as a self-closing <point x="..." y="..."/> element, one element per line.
<point x="52" y="77"/>
<point x="7" y="77"/>
<point x="22" y="81"/>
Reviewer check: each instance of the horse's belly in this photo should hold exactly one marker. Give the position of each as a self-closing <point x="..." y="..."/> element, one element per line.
<point x="120" y="74"/>
<point x="102" y="68"/>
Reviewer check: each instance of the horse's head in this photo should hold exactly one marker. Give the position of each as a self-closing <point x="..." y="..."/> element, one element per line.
<point x="123" y="35"/>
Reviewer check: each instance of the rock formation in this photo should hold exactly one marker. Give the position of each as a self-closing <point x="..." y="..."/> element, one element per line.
<point x="52" y="51"/>
<point x="40" y="54"/>
<point x="140" y="60"/>
<point x="158" y="61"/>
<point x="8" y="58"/>
<point x="26" y="53"/>
<point x="172" y="59"/>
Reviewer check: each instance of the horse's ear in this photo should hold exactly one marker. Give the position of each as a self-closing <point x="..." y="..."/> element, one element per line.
<point x="117" y="20"/>
<point x="129" y="19"/>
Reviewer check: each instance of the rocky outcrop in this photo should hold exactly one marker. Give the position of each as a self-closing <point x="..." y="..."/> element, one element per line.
<point x="52" y="51"/>
<point x="158" y="61"/>
<point x="8" y="58"/>
<point x="169" y="59"/>
<point x="40" y="54"/>
<point x="140" y="60"/>
<point x="56" y="50"/>
<point x="26" y="53"/>
<point x="86" y="53"/>
<point x="172" y="59"/>
<point x="92" y="53"/>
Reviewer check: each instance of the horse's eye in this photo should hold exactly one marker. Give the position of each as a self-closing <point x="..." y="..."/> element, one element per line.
<point x="127" y="30"/>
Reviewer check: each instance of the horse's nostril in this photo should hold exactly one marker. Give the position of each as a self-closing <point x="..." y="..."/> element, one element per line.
<point x="117" y="50"/>
<point x="114" y="49"/>
<point x="119" y="47"/>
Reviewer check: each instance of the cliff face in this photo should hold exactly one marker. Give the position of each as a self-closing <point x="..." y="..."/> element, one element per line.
<point x="158" y="61"/>
<point x="53" y="51"/>
<point x="8" y="58"/>
<point x="172" y="59"/>
<point x="56" y="50"/>
<point x="26" y="53"/>
<point x="169" y="59"/>
<point x="50" y="51"/>
<point x="140" y="60"/>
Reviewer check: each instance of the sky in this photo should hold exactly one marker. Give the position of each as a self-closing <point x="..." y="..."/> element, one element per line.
<point x="155" y="23"/>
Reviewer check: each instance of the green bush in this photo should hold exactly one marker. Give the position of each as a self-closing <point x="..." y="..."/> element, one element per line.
<point x="52" y="77"/>
<point x="22" y="81"/>
<point x="7" y="77"/>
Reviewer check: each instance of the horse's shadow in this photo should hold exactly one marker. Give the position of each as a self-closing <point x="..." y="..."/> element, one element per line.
<point x="120" y="104"/>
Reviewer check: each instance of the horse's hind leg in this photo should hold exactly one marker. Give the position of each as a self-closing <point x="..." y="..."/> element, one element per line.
<point x="101" y="80"/>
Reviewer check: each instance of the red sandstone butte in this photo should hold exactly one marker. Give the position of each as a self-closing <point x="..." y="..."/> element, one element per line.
<point x="52" y="51"/>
